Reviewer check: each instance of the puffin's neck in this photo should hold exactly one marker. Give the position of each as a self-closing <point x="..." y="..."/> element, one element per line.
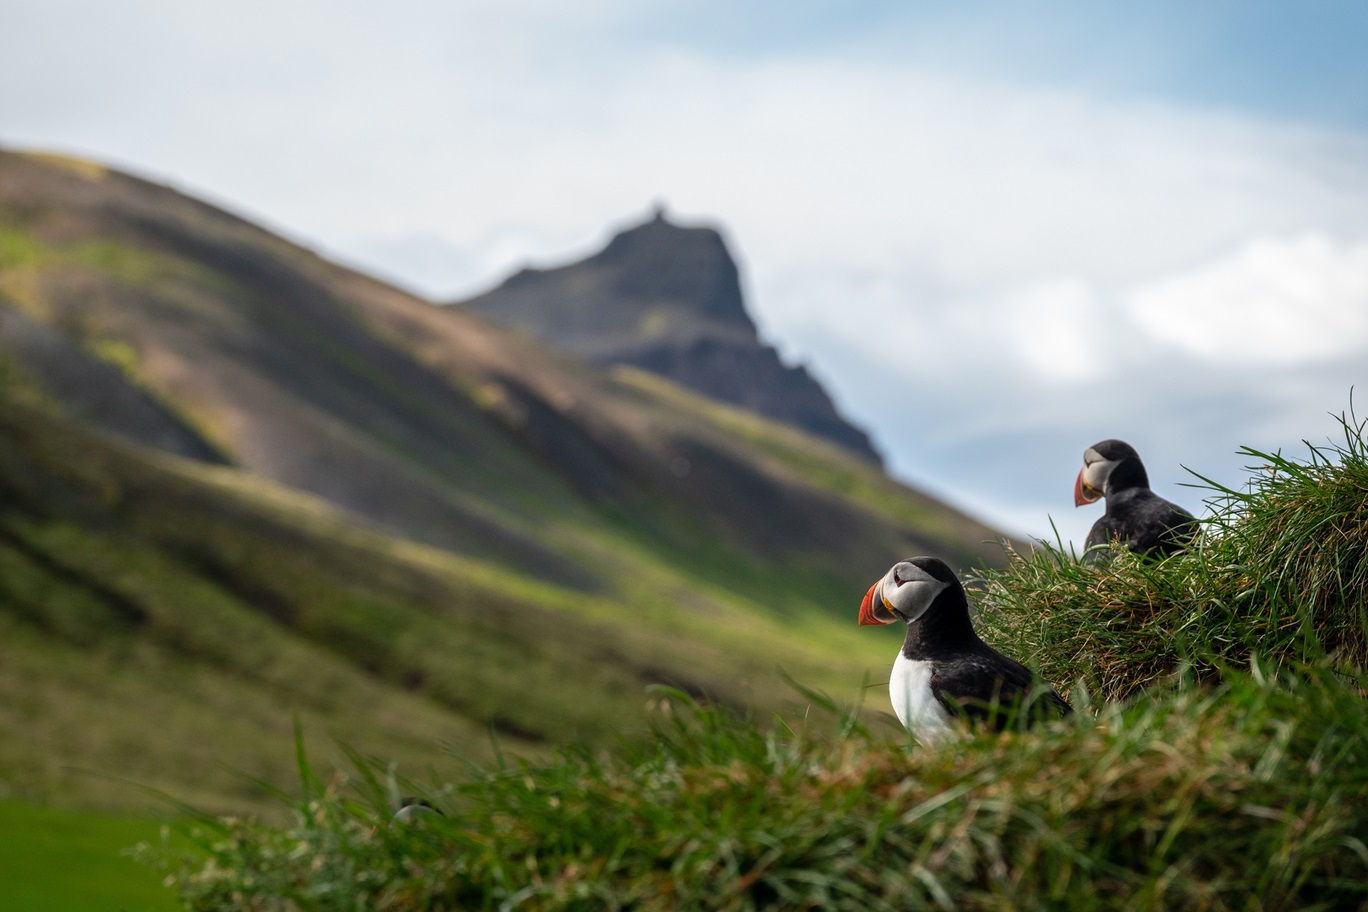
<point x="944" y="629"/>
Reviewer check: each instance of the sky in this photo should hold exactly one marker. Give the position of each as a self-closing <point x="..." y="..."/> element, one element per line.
<point x="998" y="232"/>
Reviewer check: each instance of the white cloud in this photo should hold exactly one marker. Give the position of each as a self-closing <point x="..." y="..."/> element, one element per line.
<point x="1275" y="301"/>
<point x="1051" y="329"/>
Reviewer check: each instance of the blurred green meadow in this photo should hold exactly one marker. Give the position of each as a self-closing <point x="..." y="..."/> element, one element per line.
<point x="56" y="860"/>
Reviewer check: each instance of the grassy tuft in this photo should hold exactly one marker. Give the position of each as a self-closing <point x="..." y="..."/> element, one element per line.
<point x="1280" y="572"/>
<point x="1248" y="794"/>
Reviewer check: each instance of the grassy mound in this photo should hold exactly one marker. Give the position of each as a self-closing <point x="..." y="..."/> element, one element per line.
<point x="1206" y="799"/>
<point x="1280" y="572"/>
<point x="1226" y="766"/>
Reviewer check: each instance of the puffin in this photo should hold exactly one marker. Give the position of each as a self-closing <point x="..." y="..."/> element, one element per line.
<point x="1136" y="517"/>
<point x="944" y="673"/>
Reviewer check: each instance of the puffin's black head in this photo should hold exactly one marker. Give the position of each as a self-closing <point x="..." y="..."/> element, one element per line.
<point x="1108" y="466"/>
<point x="910" y="590"/>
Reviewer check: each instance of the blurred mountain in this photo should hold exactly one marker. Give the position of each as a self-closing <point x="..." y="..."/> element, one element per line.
<point x="185" y="328"/>
<point x="667" y="299"/>
<point x="238" y="481"/>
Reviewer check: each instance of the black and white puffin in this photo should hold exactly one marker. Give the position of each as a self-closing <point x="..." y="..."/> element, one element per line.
<point x="944" y="671"/>
<point x="1136" y="517"/>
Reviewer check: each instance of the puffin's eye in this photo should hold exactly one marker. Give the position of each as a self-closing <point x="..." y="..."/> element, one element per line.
<point x="898" y="580"/>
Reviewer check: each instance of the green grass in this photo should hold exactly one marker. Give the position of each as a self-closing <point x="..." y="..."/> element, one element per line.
<point x="61" y="861"/>
<point x="1218" y="760"/>
<point x="18" y="249"/>
<point x="1250" y="793"/>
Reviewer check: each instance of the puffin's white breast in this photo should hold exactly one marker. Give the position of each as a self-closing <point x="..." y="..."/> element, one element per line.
<point x="918" y="709"/>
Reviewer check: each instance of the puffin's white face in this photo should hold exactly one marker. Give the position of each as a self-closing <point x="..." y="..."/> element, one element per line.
<point x="904" y="594"/>
<point x="1092" y="481"/>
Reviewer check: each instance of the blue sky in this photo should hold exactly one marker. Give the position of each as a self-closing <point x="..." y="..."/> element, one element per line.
<point x="1302" y="61"/>
<point x="998" y="232"/>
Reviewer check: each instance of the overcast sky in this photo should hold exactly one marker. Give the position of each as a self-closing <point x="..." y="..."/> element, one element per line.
<point x="998" y="232"/>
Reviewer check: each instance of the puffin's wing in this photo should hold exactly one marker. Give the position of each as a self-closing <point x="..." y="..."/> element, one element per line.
<point x="1105" y="531"/>
<point x="988" y="686"/>
<point x="1160" y="528"/>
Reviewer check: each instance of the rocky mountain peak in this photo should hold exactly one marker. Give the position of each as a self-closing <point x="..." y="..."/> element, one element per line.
<point x="667" y="298"/>
<point x="662" y="264"/>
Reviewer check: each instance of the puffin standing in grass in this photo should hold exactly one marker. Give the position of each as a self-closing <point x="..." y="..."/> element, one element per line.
<point x="1136" y="517"/>
<point x="944" y="671"/>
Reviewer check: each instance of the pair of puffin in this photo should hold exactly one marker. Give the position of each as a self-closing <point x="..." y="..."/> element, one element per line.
<point x="945" y="671"/>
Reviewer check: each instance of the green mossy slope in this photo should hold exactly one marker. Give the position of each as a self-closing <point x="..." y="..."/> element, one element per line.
<point x="163" y="621"/>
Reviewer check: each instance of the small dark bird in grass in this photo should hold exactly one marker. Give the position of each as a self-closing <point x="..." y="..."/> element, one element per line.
<point x="1137" y="519"/>
<point x="944" y="671"/>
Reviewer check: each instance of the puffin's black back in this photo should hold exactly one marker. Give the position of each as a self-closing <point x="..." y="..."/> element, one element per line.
<point x="1145" y="523"/>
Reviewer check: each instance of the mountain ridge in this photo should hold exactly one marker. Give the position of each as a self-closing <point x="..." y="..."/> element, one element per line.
<point x="428" y="422"/>
<point x="667" y="298"/>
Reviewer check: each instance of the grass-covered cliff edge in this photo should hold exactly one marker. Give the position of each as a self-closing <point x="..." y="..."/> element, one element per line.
<point x="1219" y="760"/>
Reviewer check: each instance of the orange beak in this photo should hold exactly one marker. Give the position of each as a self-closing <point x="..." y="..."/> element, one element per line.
<point x="1084" y="493"/>
<point x="867" y="617"/>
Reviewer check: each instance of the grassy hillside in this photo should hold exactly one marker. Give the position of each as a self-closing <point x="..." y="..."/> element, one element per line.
<point x="163" y="621"/>
<point x="1233" y="774"/>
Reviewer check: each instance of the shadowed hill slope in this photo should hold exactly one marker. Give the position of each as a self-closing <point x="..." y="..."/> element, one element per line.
<point x="667" y="299"/>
